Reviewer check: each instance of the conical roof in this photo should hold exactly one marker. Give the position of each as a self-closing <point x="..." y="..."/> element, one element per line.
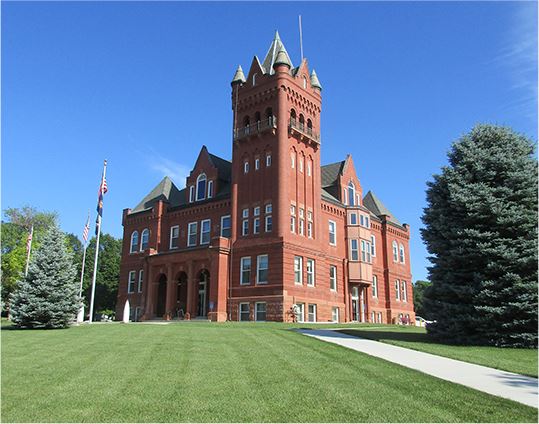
<point x="315" y="83"/>
<point x="238" y="76"/>
<point x="271" y="56"/>
<point x="282" y="59"/>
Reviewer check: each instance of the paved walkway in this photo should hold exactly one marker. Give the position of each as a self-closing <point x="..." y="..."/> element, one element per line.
<point x="505" y="384"/>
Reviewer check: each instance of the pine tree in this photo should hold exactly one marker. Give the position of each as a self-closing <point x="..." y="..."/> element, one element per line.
<point x="48" y="296"/>
<point x="481" y="232"/>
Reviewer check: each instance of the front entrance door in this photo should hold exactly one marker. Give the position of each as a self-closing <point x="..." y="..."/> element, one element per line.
<point x="161" y="297"/>
<point x="355" y="304"/>
<point x="202" y="288"/>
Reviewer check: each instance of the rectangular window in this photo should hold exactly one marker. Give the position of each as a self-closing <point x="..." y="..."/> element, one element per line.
<point x="353" y="219"/>
<point x="312" y="313"/>
<point x="268" y="224"/>
<point x="262" y="269"/>
<point x="268" y="160"/>
<point x="310" y="229"/>
<point x="256" y="226"/>
<point x="245" y="213"/>
<point x="256" y="211"/>
<point x="333" y="277"/>
<point x="367" y="223"/>
<point x="245" y="227"/>
<point x="365" y="251"/>
<point x="244" y="311"/>
<point x="374" y="286"/>
<point x="298" y="269"/>
<point x="310" y="272"/>
<point x="131" y="282"/>
<point x="174" y="237"/>
<point x="354" y="254"/>
<point x="269" y="208"/>
<point x="332" y="233"/>
<point x="257" y="164"/>
<point x="205" y="227"/>
<point x="192" y="234"/>
<point x="192" y="194"/>
<point x="210" y="189"/>
<point x="335" y="314"/>
<point x="301" y="227"/>
<point x="372" y="316"/>
<point x="404" y="294"/>
<point x="140" y="280"/>
<point x="226" y="225"/>
<point x="380" y="317"/>
<point x="361" y="220"/>
<point x="293" y="218"/>
<point x="245" y="269"/>
<point x="260" y="311"/>
<point x="245" y="167"/>
<point x="301" y="312"/>
<point x="397" y="290"/>
<point x="373" y="246"/>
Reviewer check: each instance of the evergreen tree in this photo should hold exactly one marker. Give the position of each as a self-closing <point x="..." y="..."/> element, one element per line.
<point x="48" y="296"/>
<point x="420" y="288"/>
<point x="481" y="232"/>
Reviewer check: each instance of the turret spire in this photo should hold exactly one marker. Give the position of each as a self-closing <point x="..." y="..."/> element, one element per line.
<point x="239" y="77"/>
<point x="315" y="83"/>
<point x="271" y="56"/>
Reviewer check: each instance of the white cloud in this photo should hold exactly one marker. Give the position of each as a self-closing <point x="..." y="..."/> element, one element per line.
<point x="166" y="167"/>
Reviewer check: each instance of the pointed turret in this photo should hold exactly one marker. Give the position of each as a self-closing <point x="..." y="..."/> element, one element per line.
<point x="276" y="47"/>
<point x="315" y="83"/>
<point x="282" y="59"/>
<point x="239" y="78"/>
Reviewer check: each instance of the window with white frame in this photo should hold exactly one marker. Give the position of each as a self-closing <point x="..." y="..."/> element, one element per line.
<point x="301" y="312"/>
<point x="298" y="269"/>
<point x="245" y="213"/>
<point x="269" y="224"/>
<point x="268" y="208"/>
<point x="353" y="218"/>
<point x="301" y="227"/>
<point x="144" y="239"/>
<point x="333" y="278"/>
<point x="354" y="251"/>
<point x="244" y="312"/>
<point x="311" y="316"/>
<point x="293" y="218"/>
<point x="245" y="167"/>
<point x="245" y="227"/>
<point x="260" y="311"/>
<point x="205" y="227"/>
<point x="365" y="251"/>
<point x="374" y="286"/>
<point x="361" y="220"/>
<point x="397" y="290"/>
<point x="245" y="270"/>
<point x="191" y="194"/>
<point x="395" y="252"/>
<point x="256" y="226"/>
<point x="380" y="317"/>
<point x="192" y="234"/>
<point x="404" y="295"/>
<point x="257" y="164"/>
<point x="293" y="160"/>
<point x="335" y="314"/>
<point x="210" y="189"/>
<point x="373" y="245"/>
<point x="268" y="160"/>
<point x="131" y="282"/>
<point x="175" y="237"/>
<point x="310" y="272"/>
<point x="226" y="225"/>
<point x="256" y="211"/>
<point x="332" y="233"/>
<point x="140" y="280"/>
<point x="372" y="316"/>
<point x="367" y="222"/>
<point x="262" y="269"/>
<point x="401" y="252"/>
<point x="201" y="187"/>
<point x="351" y="194"/>
<point x="310" y="229"/>
<point x="134" y="242"/>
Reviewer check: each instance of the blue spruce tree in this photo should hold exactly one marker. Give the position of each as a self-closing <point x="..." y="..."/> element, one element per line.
<point x="481" y="232"/>
<point x="48" y="296"/>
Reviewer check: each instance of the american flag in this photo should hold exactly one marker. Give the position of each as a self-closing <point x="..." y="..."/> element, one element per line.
<point x="29" y="239"/>
<point x="86" y="230"/>
<point x="102" y="190"/>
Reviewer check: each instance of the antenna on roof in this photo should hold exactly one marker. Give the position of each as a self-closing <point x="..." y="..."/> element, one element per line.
<point x="300" y="39"/>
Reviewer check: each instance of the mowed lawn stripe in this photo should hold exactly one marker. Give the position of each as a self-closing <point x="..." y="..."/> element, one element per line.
<point x="221" y="373"/>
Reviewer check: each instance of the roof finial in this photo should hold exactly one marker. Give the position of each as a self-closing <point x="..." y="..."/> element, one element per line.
<point x="276" y="35"/>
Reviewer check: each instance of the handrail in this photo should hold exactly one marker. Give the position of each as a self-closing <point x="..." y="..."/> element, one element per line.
<point x="300" y="127"/>
<point x="257" y="127"/>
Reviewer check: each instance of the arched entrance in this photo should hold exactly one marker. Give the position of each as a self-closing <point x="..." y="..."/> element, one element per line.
<point x="203" y="293"/>
<point x="161" y="296"/>
<point x="181" y="295"/>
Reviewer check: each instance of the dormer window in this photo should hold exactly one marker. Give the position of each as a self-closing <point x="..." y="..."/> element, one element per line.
<point x="351" y="194"/>
<point x="201" y="187"/>
<point x="192" y="194"/>
<point x="144" y="239"/>
<point x="210" y="189"/>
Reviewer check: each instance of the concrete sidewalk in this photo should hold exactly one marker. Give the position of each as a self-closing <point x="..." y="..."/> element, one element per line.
<point x="519" y="388"/>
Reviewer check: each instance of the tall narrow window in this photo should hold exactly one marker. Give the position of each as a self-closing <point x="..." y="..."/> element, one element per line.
<point x="354" y="254"/>
<point x="298" y="269"/>
<point x="134" y="242"/>
<point x="262" y="269"/>
<point x="256" y="211"/>
<point x="210" y="189"/>
<point x="373" y="245"/>
<point x="269" y="224"/>
<point x="260" y="311"/>
<point x="192" y="234"/>
<point x="404" y="296"/>
<point x="245" y="227"/>
<point x="140" y="280"/>
<point x="310" y="272"/>
<point x="335" y="314"/>
<point x="201" y="187"/>
<point x="293" y="160"/>
<point x="301" y="312"/>
<point x="333" y="277"/>
<point x="256" y="226"/>
<point x="205" y="227"/>
<point x="225" y="226"/>
<point x="309" y="168"/>
<point x="245" y="270"/>
<point x="268" y="160"/>
<point x="332" y="233"/>
<point x="131" y="282"/>
<point x="174" y="237"/>
<point x="293" y="218"/>
<point x="374" y="286"/>
<point x="245" y="167"/>
<point x="395" y="252"/>
<point x="300" y="164"/>
<point x="401" y="253"/>
<point x="312" y="313"/>
<point x="397" y="290"/>
<point x="191" y="194"/>
<point x="351" y="194"/>
<point x="144" y="239"/>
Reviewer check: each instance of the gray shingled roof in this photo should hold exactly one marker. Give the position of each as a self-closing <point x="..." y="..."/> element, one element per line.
<point x="331" y="172"/>
<point x="224" y="167"/>
<point x="375" y="205"/>
<point x="165" y="190"/>
<point x="269" y="60"/>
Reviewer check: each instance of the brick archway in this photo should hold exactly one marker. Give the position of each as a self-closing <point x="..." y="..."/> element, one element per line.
<point x="161" y="303"/>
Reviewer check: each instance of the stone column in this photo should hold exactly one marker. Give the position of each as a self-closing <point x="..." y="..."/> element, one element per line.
<point x="190" y="283"/>
<point x="171" y="300"/>
<point x="150" y="289"/>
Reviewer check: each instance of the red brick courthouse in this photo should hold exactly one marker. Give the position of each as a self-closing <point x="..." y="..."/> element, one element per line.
<point x="248" y="239"/>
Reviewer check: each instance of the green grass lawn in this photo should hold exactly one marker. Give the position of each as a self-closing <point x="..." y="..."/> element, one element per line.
<point x="233" y="372"/>
<point x="520" y="361"/>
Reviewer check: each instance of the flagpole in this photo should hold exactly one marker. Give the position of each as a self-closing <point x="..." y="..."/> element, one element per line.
<point x="80" y="316"/>
<point x="29" y="250"/>
<point x="96" y="251"/>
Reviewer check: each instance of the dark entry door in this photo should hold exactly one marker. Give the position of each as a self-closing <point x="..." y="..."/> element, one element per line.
<point x="161" y="299"/>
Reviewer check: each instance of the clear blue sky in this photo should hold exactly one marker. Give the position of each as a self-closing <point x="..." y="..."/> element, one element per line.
<point x="144" y="85"/>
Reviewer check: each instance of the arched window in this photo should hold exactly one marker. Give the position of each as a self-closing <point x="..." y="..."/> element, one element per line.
<point x="201" y="187"/>
<point x="395" y="252"/>
<point x="246" y="123"/>
<point x="257" y="117"/>
<point x="293" y="117"/>
<point x="301" y="121"/>
<point x="309" y="126"/>
<point x="401" y="253"/>
<point x="269" y="112"/>
<point x="304" y="82"/>
<point x="351" y="194"/>
<point x="254" y="80"/>
<point x="144" y="239"/>
<point x="134" y="242"/>
<point x="210" y="189"/>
